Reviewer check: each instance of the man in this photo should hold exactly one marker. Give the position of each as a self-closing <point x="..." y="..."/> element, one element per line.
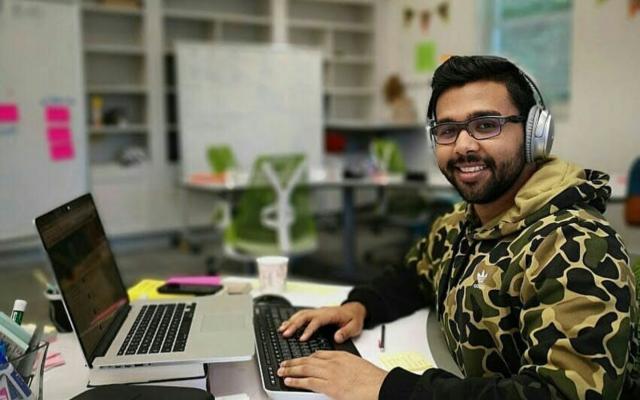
<point x="531" y="284"/>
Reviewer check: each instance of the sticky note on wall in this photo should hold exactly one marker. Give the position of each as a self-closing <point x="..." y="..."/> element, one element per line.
<point x="58" y="134"/>
<point x="9" y="113"/>
<point x="61" y="151"/>
<point x="57" y="114"/>
<point x="426" y="56"/>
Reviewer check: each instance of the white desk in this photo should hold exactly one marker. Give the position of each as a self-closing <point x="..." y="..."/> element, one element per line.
<point x="406" y="334"/>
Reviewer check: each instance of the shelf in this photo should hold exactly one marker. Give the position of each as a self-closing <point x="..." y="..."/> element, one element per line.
<point x="341" y="2"/>
<point x="218" y="17"/>
<point x="115" y="49"/>
<point x="119" y="10"/>
<point x="329" y="25"/>
<point x="117" y="89"/>
<point x="118" y="130"/>
<point x="109" y="172"/>
<point x="346" y="122"/>
<point x="349" y="91"/>
<point x="350" y="60"/>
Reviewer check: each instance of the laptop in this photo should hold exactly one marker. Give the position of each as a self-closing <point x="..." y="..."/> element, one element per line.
<point x="115" y="332"/>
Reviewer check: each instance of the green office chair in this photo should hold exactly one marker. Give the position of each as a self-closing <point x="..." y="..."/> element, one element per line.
<point x="386" y="156"/>
<point x="273" y="216"/>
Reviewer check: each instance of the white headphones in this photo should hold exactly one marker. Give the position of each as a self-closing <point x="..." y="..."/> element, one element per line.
<point x="539" y="128"/>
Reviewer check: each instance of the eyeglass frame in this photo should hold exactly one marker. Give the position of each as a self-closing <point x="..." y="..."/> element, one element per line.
<point x="465" y="125"/>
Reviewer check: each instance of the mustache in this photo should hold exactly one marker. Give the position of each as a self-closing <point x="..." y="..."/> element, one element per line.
<point x="471" y="158"/>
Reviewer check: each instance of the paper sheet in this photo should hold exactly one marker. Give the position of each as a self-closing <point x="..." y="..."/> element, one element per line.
<point x="409" y="360"/>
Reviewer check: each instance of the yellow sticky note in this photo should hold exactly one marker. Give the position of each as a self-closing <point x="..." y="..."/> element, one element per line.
<point x="147" y="289"/>
<point x="408" y="360"/>
<point x="310" y="288"/>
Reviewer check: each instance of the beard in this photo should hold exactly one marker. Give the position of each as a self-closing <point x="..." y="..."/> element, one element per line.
<point x="502" y="177"/>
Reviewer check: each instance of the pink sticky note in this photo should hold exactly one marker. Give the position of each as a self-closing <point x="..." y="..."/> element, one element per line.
<point x="59" y="134"/>
<point x="8" y="113"/>
<point x="196" y="280"/>
<point x="62" y="151"/>
<point x="57" y="113"/>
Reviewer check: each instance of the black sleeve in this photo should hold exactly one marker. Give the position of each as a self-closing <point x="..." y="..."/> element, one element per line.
<point x="439" y="384"/>
<point x="397" y="292"/>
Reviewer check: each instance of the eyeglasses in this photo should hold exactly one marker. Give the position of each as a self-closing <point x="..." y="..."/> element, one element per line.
<point x="480" y="128"/>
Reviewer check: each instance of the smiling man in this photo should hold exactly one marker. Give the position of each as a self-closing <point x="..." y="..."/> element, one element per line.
<point x="530" y="282"/>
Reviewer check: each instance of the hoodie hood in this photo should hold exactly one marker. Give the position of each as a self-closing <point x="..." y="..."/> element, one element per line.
<point x="554" y="186"/>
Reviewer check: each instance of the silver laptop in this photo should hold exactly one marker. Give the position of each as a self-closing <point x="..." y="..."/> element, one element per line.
<point x="113" y="331"/>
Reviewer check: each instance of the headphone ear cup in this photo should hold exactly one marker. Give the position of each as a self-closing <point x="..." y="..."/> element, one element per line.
<point x="529" y="133"/>
<point x="432" y="143"/>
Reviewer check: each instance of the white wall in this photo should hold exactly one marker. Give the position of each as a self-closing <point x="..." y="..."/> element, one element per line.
<point x="601" y="129"/>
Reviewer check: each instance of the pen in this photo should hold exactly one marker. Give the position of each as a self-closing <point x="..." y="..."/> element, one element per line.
<point x="381" y="340"/>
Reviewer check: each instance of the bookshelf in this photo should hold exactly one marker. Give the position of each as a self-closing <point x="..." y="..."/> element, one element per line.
<point x="129" y="64"/>
<point x="344" y="31"/>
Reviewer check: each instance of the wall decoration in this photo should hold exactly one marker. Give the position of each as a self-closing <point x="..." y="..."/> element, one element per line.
<point x="634" y="7"/>
<point x="407" y="17"/>
<point x="443" y="11"/>
<point x="426" y="56"/>
<point x="425" y="20"/>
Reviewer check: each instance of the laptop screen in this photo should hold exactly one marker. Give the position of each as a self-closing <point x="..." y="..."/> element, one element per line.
<point x="84" y="266"/>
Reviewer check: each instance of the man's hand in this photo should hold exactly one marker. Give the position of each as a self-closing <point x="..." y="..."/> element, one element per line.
<point x="349" y="317"/>
<point x="338" y="374"/>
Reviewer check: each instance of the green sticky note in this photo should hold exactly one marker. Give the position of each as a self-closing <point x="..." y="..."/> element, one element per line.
<point x="425" y="56"/>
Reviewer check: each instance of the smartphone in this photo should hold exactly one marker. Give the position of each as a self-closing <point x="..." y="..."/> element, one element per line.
<point x="182" y="288"/>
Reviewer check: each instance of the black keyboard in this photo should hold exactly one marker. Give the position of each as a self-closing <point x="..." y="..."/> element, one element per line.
<point x="273" y="348"/>
<point x="159" y="328"/>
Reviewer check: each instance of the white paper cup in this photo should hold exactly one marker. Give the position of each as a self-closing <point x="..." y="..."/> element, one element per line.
<point x="272" y="273"/>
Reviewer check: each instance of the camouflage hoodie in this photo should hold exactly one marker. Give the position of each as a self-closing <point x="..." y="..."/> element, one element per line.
<point x="537" y="303"/>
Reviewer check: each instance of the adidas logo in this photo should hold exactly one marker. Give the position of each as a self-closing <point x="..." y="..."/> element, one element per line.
<point x="480" y="278"/>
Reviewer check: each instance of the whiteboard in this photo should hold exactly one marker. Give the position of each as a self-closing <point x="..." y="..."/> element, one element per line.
<point x="257" y="99"/>
<point x="42" y="160"/>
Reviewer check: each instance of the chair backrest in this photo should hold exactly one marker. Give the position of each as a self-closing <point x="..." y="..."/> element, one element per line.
<point x="275" y="209"/>
<point x="221" y="158"/>
<point x="387" y="156"/>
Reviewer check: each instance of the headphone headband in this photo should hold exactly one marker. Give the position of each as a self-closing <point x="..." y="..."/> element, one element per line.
<point x="539" y="131"/>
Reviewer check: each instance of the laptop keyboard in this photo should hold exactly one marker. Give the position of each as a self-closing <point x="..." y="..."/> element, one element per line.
<point x="159" y="328"/>
<point x="273" y="348"/>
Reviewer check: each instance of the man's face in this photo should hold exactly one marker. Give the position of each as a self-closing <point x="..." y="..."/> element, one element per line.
<point x="482" y="170"/>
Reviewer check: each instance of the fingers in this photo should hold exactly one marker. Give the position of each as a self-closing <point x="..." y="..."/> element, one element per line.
<point x="314" y="319"/>
<point x="351" y="329"/>
<point x="307" y="368"/>
<point x="311" y="328"/>
<point x="313" y="384"/>
<point x="297" y="321"/>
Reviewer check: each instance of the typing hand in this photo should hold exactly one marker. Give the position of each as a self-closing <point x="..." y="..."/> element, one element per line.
<point x="338" y="374"/>
<point x="349" y="317"/>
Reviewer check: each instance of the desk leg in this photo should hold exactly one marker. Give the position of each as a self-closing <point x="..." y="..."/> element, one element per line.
<point x="185" y="239"/>
<point x="349" y="230"/>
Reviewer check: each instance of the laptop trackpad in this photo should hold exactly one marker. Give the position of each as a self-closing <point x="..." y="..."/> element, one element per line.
<point x="222" y="322"/>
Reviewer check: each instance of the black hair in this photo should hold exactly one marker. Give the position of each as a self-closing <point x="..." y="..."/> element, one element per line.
<point x="460" y="70"/>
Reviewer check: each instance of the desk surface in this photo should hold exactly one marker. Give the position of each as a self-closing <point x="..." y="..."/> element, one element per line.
<point x="243" y="377"/>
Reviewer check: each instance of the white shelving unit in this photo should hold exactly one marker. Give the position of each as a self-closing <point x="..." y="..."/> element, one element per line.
<point x="115" y="59"/>
<point x="345" y="32"/>
<point x="130" y="65"/>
